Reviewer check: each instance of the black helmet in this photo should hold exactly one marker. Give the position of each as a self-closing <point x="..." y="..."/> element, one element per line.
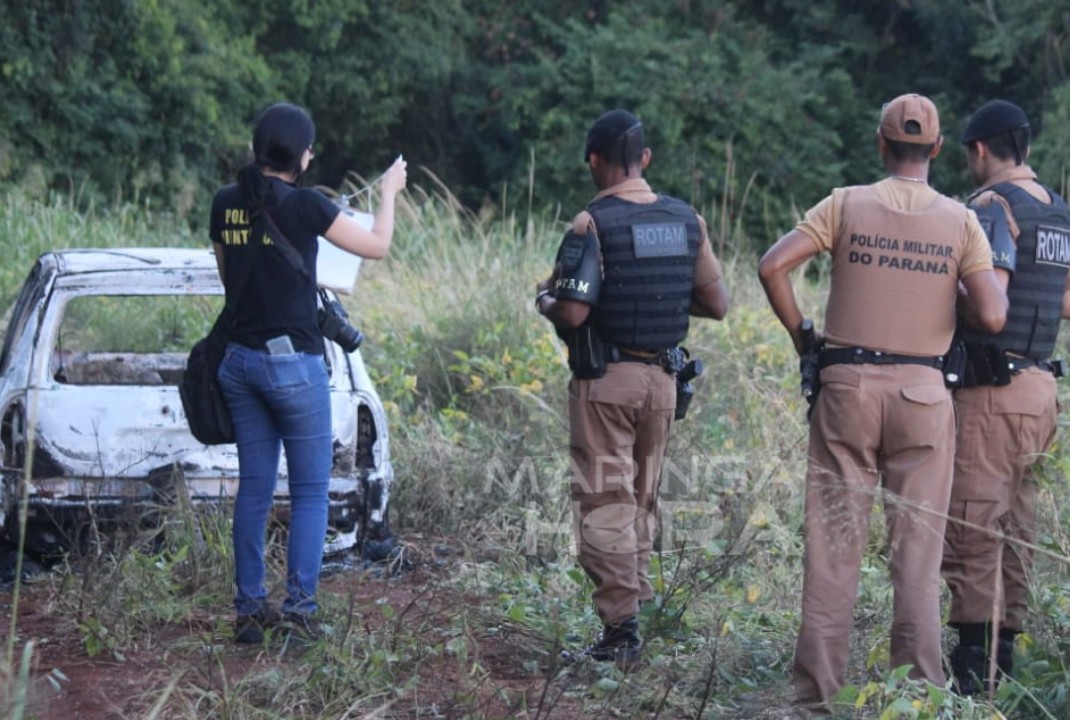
<point x="995" y="116"/>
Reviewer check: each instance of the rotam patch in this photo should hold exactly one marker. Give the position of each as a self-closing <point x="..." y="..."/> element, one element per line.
<point x="1053" y="246"/>
<point x="659" y="240"/>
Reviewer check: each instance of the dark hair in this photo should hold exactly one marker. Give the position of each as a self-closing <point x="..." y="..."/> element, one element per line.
<point x="909" y="152"/>
<point x="617" y="137"/>
<point x="625" y="150"/>
<point x="282" y="135"/>
<point x="1008" y="145"/>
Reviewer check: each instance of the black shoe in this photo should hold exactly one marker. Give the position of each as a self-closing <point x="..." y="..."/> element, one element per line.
<point x="250" y="628"/>
<point x="303" y="627"/>
<point x="969" y="667"/>
<point x="618" y="643"/>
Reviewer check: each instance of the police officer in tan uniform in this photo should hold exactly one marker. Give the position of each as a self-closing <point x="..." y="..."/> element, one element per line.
<point x="1007" y="412"/>
<point x="628" y="274"/>
<point x="882" y="422"/>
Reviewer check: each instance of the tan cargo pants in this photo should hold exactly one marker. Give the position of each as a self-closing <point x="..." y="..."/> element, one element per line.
<point x="887" y="431"/>
<point x="1002" y="433"/>
<point x="619" y="427"/>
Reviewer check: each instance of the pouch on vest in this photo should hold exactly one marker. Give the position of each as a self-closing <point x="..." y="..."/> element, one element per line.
<point x="586" y="352"/>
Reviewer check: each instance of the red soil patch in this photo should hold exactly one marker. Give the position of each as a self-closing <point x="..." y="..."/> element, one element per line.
<point x="103" y="687"/>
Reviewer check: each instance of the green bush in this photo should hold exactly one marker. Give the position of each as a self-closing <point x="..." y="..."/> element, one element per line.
<point x="754" y="108"/>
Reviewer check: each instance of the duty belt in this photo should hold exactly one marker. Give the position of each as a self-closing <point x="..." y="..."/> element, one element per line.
<point x="1017" y="364"/>
<point x="671" y="360"/>
<point x="860" y="356"/>
<point x="616" y="354"/>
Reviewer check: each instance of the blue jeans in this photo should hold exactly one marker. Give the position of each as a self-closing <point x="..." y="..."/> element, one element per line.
<point x="275" y="401"/>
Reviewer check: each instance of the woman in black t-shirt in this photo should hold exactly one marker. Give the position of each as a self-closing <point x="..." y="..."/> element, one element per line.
<point x="273" y="375"/>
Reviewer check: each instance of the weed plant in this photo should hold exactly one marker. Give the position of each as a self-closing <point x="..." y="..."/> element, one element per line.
<point x="475" y="383"/>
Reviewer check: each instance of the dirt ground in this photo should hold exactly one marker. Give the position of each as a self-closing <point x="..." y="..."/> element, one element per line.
<point x="103" y="688"/>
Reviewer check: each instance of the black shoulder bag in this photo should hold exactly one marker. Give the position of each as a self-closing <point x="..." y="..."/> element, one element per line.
<point x="202" y="400"/>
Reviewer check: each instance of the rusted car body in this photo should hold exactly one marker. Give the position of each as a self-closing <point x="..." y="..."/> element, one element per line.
<point x="94" y="346"/>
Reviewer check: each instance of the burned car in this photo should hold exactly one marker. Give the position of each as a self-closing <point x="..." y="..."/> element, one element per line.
<point x="94" y="347"/>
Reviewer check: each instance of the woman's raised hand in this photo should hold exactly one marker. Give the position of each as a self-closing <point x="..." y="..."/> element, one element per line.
<point x="395" y="177"/>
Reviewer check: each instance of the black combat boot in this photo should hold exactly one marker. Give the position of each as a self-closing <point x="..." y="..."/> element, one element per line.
<point x="1005" y="651"/>
<point x="969" y="667"/>
<point x="618" y="643"/>
<point x="969" y="660"/>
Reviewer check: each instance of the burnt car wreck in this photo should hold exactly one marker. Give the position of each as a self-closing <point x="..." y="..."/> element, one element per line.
<point x="94" y="347"/>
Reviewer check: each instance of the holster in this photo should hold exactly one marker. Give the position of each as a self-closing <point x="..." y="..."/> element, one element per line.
<point x="985" y="364"/>
<point x="685" y="390"/>
<point x="586" y="353"/>
<point x="810" y="375"/>
<point x="955" y="365"/>
<point x="810" y="365"/>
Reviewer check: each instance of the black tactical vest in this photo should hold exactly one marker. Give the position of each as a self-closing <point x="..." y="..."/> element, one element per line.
<point x="1035" y="292"/>
<point x="648" y="261"/>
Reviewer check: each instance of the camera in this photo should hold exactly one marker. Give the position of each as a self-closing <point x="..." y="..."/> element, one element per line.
<point x="333" y="322"/>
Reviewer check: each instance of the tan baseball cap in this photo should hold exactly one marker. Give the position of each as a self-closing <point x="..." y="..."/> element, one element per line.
<point x="899" y="112"/>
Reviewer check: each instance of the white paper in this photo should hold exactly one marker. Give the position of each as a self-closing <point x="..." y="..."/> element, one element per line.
<point x="337" y="269"/>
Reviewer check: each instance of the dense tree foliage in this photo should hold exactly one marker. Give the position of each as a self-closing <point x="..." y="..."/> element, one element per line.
<point x="754" y="108"/>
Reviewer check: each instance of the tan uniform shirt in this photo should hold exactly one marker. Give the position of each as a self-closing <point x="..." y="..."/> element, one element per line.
<point x="899" y="249"/>
<point x="637" y="190"/>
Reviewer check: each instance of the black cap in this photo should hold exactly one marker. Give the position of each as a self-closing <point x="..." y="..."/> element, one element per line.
<point x="614" y="130"/>
<point x="995" y="116"/>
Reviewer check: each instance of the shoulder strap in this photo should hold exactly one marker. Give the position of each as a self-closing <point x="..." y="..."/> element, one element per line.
<point x="288" y="250"/>
<point x="1006" y="189"/>
<point x="292" y="256"/>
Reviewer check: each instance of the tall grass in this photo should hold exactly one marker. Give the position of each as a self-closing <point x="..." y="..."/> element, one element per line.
<point x="29" y="227"/>
<point x="475" y="385"/>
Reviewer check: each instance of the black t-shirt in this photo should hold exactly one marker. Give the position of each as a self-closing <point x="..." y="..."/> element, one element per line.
<point x="278" y="299"/>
